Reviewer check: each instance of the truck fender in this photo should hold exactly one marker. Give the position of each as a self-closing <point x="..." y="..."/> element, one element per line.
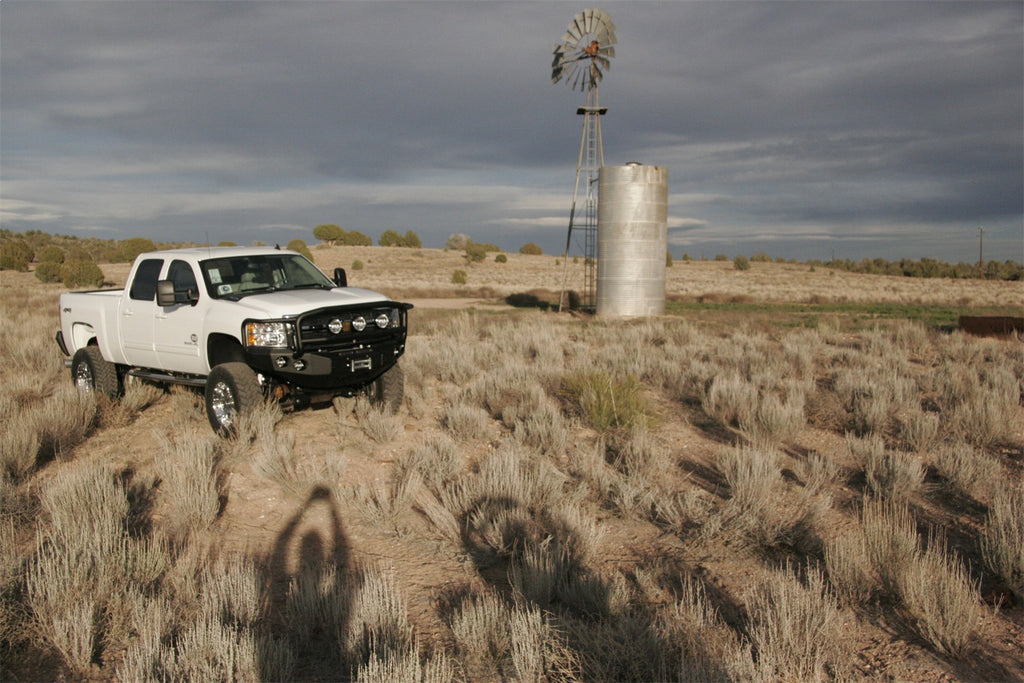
<point x="223" y="348"/>
<point x="82" y="334"/>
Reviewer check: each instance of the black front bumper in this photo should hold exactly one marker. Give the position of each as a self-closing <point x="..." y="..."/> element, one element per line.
<point x="332" y="354"/>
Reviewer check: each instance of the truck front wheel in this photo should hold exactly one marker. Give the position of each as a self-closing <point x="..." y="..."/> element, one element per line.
<point x="232" y="391"/>
<point x="91" y="372"/>
<point x="388" y="390"/>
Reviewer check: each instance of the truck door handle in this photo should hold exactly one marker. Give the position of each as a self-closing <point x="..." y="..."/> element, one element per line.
<point x="127" y="313"/>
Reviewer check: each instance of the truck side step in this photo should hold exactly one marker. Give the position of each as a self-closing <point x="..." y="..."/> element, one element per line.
<point x="152" y="376"/>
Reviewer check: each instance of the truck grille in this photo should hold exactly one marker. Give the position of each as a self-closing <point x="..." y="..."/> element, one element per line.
<point x="335" y="329"/>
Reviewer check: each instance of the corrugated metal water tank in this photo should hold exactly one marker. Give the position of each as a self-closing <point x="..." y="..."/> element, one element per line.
<point x="632" y="238"/>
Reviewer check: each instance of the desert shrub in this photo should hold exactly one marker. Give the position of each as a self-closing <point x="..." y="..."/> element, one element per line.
<point x="606" y="402"/>
<point x="775" y="419"/>
<point x="48" y="271"/>
<point x="890" y="537"/>
<point x="377" y="421"/>
<point x="130" y="248"/>
<point x="64" y="421"/>
<point x="797" y="630"/>
<point x="741" y="263"/>
<point x="987" y="410"/>
<point x="942" y="600"/>
<point x="15" y="255"/>
<point x="50" y="254"/>
<point x="406" y="663"/>
<point x="849" y="568"/>
<point x="501" y="258"/>
<point x="968" y="471"/>
<point x="531" y="249"/>
<point x="890" y="474"/>
<point x="475" y="252"/>
<point x="357" y="265"/>
<point x="918" y="430"/>
<point x="465" y="422"/>
<point x="437" y="461"/>
<point x="459" y="277"/>
<point x="730" y="399"/>
<point x="378" y="620"/>
<point x="700" y="645"/>
<point x="81" y="273"/>
<point x="1002" y="541"/>
<point x="19" y="447"/>
<point x="301" y="247"/>
<point x="192" y="481"/>
<point x="328" y="232"/>
<point x="457" y="241"/>
<point x="496" y="641"/>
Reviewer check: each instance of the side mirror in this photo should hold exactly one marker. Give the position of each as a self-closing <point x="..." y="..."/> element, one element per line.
<point x="166" y="296"/>
<point x="165" y="293"/>
<point x="340" y="278"/>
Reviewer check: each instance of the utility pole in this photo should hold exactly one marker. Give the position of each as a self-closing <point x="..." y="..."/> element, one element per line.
<point x="981" y="244"/>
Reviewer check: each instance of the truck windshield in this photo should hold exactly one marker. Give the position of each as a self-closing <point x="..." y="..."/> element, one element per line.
<point x="237" y="276"/>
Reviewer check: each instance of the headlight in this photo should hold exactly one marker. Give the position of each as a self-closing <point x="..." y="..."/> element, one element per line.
<point x="382" y="320"/>
<point x="273" y="335"/>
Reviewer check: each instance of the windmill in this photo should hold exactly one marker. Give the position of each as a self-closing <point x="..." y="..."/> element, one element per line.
<point x="580" y="59"/>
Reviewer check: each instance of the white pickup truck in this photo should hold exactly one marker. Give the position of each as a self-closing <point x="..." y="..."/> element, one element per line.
<point x="244" y="324"/>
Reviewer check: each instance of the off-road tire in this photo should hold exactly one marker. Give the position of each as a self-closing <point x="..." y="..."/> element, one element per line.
<point x="388" y="390"/>
<point x="91" y="372"/>
<point x="232" y="391"/>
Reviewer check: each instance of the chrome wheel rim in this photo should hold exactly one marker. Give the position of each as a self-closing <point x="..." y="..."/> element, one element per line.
<point x="222" y="403"/>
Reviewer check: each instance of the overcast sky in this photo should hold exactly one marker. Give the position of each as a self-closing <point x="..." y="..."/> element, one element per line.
<point x="799" y="129"/>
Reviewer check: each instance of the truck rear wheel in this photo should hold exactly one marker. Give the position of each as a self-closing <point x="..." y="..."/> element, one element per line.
<point x="232" y="391"/>
<point x="389" y="389"/>
<point x="91" y="372"/>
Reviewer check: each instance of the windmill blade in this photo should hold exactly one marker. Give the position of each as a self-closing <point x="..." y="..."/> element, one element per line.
<point x="607" y="52"/>
<point x="578" y="78"/>
<point x="580" y="24"/>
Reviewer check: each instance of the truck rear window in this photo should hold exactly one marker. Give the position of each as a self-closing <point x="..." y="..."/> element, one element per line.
<point x="144" y="284"/>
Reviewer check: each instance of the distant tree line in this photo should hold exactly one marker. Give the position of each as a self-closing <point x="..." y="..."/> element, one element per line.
<point x="65" y="258"/>
<point x="928" y="267"/>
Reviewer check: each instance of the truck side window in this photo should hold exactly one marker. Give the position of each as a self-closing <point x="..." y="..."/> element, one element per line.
<point x="144" y="284"/>
<point x="180" y="273"/>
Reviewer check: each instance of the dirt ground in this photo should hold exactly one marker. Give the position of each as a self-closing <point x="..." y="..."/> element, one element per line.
<point x="291" y="527"/>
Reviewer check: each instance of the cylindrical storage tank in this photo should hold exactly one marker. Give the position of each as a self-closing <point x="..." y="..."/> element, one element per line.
<point x="632" y="239"/>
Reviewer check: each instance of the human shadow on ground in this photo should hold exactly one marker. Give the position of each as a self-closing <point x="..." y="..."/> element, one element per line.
<point x="308" y="585"/>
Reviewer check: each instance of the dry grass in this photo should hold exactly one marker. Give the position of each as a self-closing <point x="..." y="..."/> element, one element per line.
<point x="1002" y="541"/>
<point x="797" y="629"/>
<point x="559" y="499"/>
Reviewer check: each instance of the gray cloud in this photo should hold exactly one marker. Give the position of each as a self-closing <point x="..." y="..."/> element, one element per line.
<point x="796" y="128"/>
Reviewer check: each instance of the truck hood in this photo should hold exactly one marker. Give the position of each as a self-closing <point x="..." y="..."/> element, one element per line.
<point x="295" y="302"/>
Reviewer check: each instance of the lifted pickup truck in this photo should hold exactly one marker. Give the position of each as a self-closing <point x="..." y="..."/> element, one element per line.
<point x="244" y="324"/>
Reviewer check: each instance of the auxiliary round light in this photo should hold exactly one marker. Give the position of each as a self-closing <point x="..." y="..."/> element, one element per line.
<point x="299" y="364"/>
<point x="280" y="361"/>
<point x="335" y="326"/>
<point x="359" y="324"/>
<point x="382" y="320"/>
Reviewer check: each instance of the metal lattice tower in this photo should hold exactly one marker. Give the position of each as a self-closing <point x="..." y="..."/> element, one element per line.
<point x="589" y="167"/>
<point x="582" y="57"/>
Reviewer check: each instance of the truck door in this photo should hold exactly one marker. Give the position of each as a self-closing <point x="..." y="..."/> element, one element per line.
<point x="137" y="314"/>
<point x="179" y="327"/>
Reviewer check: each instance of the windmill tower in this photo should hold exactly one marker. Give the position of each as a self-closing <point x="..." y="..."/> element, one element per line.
<point x="581" y="58"/>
